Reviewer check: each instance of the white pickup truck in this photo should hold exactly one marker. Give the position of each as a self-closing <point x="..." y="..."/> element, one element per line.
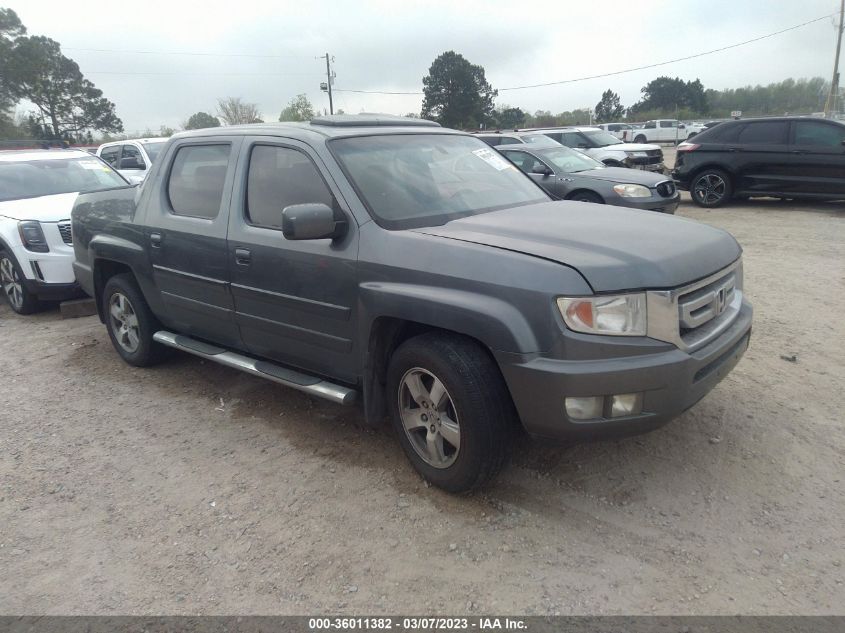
<point x="660" y="131"/>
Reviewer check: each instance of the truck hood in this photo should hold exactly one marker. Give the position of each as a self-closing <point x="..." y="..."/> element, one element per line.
<point x="630" y="147"/>
<point x="43" y="208"/>
<point x="614" y="248"/>
<point x="625" y="175"/>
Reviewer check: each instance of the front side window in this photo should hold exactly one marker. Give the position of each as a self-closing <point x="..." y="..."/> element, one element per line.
<point x="195" y="184"/>
<point x="46" y="177"/>
<point x="764" y="133"/>
<point x="131" y="158"/>
<point x="111" y="155"/>
<point x="416" y="180"/>
<point x="280" y="177"/>
<point x="819" y="134"/>
<point x="568" y="160"/>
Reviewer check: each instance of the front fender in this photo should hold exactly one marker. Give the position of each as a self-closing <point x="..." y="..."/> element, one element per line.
<point x="497" y="324"/>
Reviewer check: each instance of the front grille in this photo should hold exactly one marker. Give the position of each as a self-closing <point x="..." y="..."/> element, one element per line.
<point x="704" y="310"/>
<point x="694" y="315"/>
<point x="64" y="229"/>
<point x="666" y="189"/>
<point x="648" y="160"/>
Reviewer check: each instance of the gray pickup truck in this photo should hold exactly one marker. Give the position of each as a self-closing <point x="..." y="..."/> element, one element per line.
<point x="414" y="266"/>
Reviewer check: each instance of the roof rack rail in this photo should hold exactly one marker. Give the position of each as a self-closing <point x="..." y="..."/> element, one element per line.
<point x="371" y="120"/>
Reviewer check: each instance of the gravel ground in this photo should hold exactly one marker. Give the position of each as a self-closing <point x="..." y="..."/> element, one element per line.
<point x="194" y="489"/>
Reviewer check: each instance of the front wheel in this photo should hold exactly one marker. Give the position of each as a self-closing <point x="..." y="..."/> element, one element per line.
<point x="586" y="196"/>
<point x="130" y="322"/>
<point x="11" y="280"/>
<point x="451" y="410"/>
<point x="711" y="188"/>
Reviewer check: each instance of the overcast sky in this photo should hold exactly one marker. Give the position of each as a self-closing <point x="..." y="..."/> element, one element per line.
<point x="266" y="51"/>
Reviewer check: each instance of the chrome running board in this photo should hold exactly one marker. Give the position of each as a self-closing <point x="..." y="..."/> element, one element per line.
<point x="288" y="377"/>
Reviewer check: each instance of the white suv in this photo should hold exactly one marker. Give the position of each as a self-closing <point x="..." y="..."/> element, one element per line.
<point x="37" y="192"/>
<point x="132" y="159"/>
<point x="606" y="148"/>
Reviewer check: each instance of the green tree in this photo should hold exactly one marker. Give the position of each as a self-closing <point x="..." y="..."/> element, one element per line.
<point x="508" y="117"/>
<point x="10" y="30"/>
<point x="667" y="93"/>
<point x="235" y="111"/>
<point x="609" y="108"/>
<point x="201" y="120"/>
<point x="298" y="109"/>
<point x="66" y="103"/>
<point x="456" y="93"/>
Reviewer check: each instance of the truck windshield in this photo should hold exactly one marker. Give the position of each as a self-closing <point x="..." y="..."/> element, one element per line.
<point x="32" y="178"/>
<point x="600" y="138"/>
<point x="153" y="149"/>
<point x="415" y="180"/>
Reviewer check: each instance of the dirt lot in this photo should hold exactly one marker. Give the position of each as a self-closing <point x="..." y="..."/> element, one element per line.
<point x="191" y="488"/>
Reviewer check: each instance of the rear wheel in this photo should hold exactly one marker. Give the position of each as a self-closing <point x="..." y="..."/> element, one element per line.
<point x="451" y="410"/>
<point x="11" y="280"/>
<point x="130" y="322"/>
<point x="640" y="139"/>
<point x="711" y="188"/>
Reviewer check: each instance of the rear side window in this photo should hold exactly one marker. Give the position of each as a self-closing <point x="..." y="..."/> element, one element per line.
<point x="819" y="134"/>
<point x="279" y="177"/>
<point x="650" y="125"/>
<point x="510" y="140"/>
<point x="555" y="136"/>
<point x="111" y="155"/>
<point x="195" y="185"/>
<point x="668" y="124"/>
<point x="572" y="139"/>
<point x="764" y="133"/>
<point x="492" y="141"/>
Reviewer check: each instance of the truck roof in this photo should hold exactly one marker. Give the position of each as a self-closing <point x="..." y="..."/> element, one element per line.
<point x="330" y="126"/>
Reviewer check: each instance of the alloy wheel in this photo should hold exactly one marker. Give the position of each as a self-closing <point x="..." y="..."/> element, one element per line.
<point x="429" y="418"/>
<point x="11" y="283"/>
<point x="124" y="322"/>
<point x="710" y="188"/>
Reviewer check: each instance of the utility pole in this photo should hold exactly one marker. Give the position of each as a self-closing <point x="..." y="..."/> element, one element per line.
<point x="830" y="104"/>
<point x="330" y="81"/>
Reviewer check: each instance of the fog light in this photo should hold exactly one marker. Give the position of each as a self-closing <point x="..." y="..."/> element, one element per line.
<point x="584" y="408"/>
<point x="626" y="404"/>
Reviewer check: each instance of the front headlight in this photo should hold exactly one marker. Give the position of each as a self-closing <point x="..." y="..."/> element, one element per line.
<point x="632" y="191"/>
<point x="32" y="236"/>
<point x="617" y="315"/>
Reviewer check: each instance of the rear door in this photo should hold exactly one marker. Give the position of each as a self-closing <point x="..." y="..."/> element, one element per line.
<point x="817" y="157"/>
<point x="187" y="221"/>
<point x="761" y="157"/>
<point x="295" y="300"/>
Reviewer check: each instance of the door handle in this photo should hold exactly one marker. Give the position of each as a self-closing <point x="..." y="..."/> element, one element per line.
<point x="799" y="151"/>
<point x="733" y="149"/>
<point x="243" y="256"/>
<point x="155" y="240"/>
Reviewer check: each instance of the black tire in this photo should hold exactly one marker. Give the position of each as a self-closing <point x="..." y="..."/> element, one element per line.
<point x="711" y="188"/>
<point x="20" y="299"/>
<point x="476" y="396"/>
<point x="586" y="196"/>
<point x="145" y="352"/>
<point x="640" y="139"/>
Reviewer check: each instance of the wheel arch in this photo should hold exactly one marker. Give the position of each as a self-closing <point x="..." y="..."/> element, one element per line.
<point x="103" y="270"/>
<point x="593" y="192"/>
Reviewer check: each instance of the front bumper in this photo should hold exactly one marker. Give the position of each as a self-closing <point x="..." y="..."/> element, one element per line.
<point x="671" y="380"/>
<point x="654" y="203"/>
<point x="53" y="292"/>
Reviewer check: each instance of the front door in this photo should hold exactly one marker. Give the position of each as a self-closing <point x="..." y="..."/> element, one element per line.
<point x="187" y="221"/>
<point x="817" y="157"/>
<point x="527" y="163"/>
<point x="760" y="157"/>
<point x="294" y="299"/>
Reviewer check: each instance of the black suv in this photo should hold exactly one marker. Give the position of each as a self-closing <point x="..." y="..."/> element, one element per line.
<point x="785" y="157"/>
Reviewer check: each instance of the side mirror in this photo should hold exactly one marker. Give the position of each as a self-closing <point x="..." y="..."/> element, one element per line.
<point x="541" y="169"/>
<point x="311" y="222"/>
<point x="682" y="127"/>
<point x="131" y="163"/>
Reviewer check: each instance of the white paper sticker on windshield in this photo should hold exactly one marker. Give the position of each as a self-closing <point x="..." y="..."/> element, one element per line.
<point x="490" y="157"/>
<point x="91" y="164"/>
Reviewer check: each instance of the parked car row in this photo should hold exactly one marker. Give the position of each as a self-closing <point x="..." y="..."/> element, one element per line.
<point x="413" y="266"/>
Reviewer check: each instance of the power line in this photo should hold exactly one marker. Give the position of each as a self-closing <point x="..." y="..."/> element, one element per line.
<point x="621" y="72"/>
